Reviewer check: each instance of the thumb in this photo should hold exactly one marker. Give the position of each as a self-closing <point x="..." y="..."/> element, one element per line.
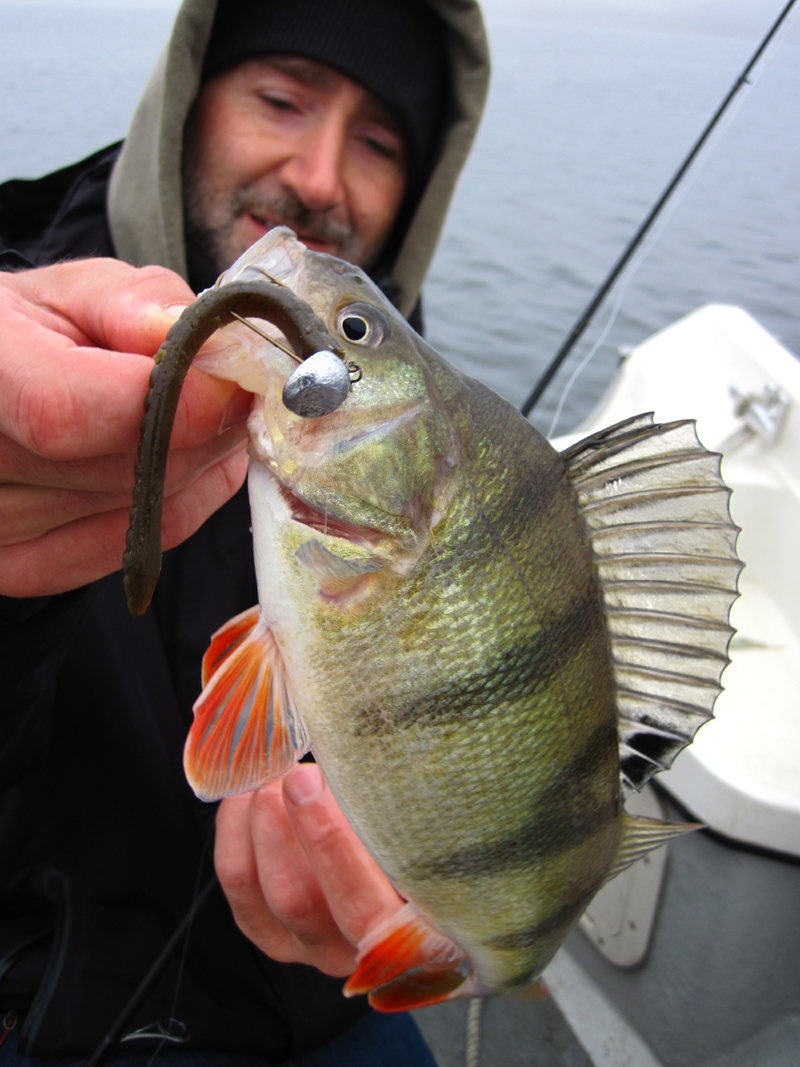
<point x="358" y="893"/>
<point x="111" y="304"/>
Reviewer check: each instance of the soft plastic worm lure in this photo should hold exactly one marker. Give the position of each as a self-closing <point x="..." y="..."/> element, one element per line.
<point x="141" y="563"/>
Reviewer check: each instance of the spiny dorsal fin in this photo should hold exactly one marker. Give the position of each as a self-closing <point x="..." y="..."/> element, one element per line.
<point x="640" y="835"/>
<point x="655" y="510"/>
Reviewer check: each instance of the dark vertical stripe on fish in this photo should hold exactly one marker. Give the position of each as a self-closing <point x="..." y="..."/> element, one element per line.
<point x="517" y="673"/>
<point x="532" y="935"/>
<point x="565" y="813"/>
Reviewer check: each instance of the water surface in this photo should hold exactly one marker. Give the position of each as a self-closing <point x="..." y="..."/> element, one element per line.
<point x="583" y="130"/>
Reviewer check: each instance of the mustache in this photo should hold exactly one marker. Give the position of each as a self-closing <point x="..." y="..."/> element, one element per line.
<point x="287" y="209"/>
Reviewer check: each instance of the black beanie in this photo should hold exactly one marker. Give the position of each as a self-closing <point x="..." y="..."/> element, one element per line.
<point x="394" y="48"/>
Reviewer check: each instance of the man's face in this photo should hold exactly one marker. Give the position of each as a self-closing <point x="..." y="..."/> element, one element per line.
<point x="287" y="140"/>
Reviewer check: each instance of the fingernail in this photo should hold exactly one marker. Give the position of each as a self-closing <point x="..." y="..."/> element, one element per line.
<point x="303" y="784"/>
<point x="176" y="310"/>
<point x="238" y="411"/>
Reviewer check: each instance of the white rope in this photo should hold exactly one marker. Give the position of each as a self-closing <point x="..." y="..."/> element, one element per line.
<point x="473" y="1036"/>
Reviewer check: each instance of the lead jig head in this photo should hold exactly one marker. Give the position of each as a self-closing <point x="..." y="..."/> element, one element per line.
<point x="318" y="386"/>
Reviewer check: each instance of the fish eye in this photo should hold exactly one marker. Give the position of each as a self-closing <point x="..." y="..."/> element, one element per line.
<point x="354" y="327"/>
<point x="363" y="324"/>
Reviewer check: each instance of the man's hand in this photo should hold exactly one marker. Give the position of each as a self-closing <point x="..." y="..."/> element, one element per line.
<point x="301" y="885"/>
<point x="76" y="347"/>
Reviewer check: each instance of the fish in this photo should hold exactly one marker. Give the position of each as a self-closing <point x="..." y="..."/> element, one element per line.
<point x="486" y="644"/>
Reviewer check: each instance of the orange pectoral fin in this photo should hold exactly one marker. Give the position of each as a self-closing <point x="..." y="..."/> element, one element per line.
<point x="227" y="639"/>
<point x="406" y="963"/>
<point x="245" y="730"/>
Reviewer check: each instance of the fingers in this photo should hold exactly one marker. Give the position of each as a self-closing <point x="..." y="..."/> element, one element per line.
<point x="62" y="398"/>
<point x="301" y="885"/>
<point x="358" y="893"/>
<point x="271" y="886"/>
<point x="76" y="346"/>
<point x="104" y="302"/>
<point x="71" y="555"/>
<point x="237" y="870"/>
<point x="27" y="511"/>
<point x="66" y="402"/>
<point x="115" y="472"/>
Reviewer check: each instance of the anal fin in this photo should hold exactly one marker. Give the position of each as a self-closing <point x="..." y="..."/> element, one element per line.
<point x="245" y="729"/>
<point x="640" y="835"/>
<point x="405" y="963"/>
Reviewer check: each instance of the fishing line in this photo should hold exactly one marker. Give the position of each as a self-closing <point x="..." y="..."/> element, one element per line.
<point x="637" y="261"/>
<point x="588" y="314"/>
<point x="184" y="950"/>
<point x="647" y="246"/>
<point x="115" y="1035"/>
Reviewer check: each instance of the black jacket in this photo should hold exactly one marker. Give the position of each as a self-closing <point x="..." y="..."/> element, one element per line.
<point x="102" y="842"/>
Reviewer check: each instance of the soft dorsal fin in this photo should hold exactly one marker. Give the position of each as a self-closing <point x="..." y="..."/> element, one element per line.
<point x="640" y="835"/>
<point x="655" y="510"/>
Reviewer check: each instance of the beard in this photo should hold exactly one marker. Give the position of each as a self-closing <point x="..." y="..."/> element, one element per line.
<point x="210" y="221"/>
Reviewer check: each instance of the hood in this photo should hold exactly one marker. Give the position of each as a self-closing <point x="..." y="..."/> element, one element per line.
<point x="145" y="206"/>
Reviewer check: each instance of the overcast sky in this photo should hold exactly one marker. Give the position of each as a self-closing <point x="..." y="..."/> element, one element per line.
<point x="750" y="17"/>
<point x="724" y="16"/>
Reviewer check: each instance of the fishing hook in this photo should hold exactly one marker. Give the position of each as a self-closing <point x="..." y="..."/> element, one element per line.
<point x="266" y="336"/>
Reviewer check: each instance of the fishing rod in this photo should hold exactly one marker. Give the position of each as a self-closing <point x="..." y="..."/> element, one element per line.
<point x="580" y="326"/>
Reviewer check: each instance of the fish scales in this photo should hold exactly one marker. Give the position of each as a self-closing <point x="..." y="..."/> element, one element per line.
<point x="501" y="703"/>
<point x="482" y="641"/>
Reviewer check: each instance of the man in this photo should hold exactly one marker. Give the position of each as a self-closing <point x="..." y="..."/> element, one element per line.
<point x="349" y="121"/>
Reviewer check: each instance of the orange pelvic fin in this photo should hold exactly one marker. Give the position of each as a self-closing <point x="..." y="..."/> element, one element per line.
<point x="417" y="989"/>
<point x="406" y="963"/>
<point x="245" y="730"/>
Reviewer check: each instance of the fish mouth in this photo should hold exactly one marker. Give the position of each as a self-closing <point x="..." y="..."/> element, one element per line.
<point x="318" y="521"/>
<point x="309" y="239"/>
<point x="262" y="451"/>
<point x="277" y="255"/>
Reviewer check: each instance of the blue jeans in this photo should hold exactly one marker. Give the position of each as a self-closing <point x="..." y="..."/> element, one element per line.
<point x="376" y="1040"/>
